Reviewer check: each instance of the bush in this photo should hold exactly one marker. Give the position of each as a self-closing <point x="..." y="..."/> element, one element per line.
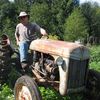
<point x="6" y="93"/>
<point x="51" y="94"/>
<point x="95" y="57"/>
<point x="75" y="26"/>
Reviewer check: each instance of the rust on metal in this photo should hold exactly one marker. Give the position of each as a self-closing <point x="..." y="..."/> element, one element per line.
<point x="54" y="47"/>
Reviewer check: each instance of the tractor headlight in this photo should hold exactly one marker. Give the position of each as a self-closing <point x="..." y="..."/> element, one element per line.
<point x="59" y="61"/>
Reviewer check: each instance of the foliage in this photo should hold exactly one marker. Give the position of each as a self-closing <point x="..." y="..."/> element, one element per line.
<point x="49" y="93"/>
<point x="6" y="93"/>
<point x="39" y="13"/>
<point x="12" y="77"/>
<point x="22" y="5"/>
<point x="52" y="14"/>
<point x="95" y="58"/>
<point x="92" y="15"/>
<point x="53" y="37"/>
<point x="59" y="10"/>
<point x="75" y="26"/>
<point x="7" y="19"/>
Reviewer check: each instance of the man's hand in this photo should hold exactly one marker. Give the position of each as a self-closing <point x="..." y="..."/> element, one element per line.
<point x="43" y="32"/>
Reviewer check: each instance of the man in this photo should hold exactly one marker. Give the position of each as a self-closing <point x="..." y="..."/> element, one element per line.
<point x="24" y="34"/>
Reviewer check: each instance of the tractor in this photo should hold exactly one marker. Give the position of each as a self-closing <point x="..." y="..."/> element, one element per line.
<point x="59" y="64"/>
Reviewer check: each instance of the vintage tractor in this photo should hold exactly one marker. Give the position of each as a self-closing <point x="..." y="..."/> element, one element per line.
<point x="59" y="64"/>
<point x="62" y="65"/>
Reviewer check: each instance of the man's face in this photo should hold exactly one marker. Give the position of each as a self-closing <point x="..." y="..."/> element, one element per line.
<point x="24" y="19"/>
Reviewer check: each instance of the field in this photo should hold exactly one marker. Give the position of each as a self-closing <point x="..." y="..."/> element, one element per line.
<point x="49" y="94"/>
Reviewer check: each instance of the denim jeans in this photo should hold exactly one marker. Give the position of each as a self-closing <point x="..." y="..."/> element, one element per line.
<point x="23" y="50"/>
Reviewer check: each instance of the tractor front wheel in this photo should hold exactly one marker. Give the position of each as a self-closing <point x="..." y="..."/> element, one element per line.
<point x="26" y="89"/>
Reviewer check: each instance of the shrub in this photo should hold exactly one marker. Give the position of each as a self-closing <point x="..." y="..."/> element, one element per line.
<point x="6" y="93"/>
<point x="95" y="57"/>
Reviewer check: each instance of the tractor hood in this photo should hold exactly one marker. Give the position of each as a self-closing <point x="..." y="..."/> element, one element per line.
<point x="60" y="48"/>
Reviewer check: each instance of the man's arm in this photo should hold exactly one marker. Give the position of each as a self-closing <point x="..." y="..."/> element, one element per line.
<point x="39" y="29"/>
<point x="17" y="35"/>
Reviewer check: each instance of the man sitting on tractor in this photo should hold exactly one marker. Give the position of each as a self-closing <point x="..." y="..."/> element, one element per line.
<point x="24" y="34"/>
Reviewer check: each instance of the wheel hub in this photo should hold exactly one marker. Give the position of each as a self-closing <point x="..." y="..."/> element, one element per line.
<point x="24" y="94"/>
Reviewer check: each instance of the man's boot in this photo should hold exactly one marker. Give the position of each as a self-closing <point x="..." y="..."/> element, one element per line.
<point x="26" y="69"/>
<point x="24" y="64"/>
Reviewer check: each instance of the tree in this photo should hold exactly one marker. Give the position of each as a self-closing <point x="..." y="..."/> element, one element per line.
<point x="60" y="10"/>
<point x="2" y="3"/>
<point x="54" y="12"/>
<point x="75" y="26"/>
<point x="39" y="13"/>
<point x="22" y="5"/>
<point x="8" y="19"/>
<point x="97" y="19"/>
<point x="92" y="15"/>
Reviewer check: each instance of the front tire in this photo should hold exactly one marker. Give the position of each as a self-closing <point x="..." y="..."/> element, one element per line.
<point x="26" y="89"/>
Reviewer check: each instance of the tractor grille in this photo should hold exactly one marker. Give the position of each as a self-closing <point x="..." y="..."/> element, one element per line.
<point x="77" y="73"/>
